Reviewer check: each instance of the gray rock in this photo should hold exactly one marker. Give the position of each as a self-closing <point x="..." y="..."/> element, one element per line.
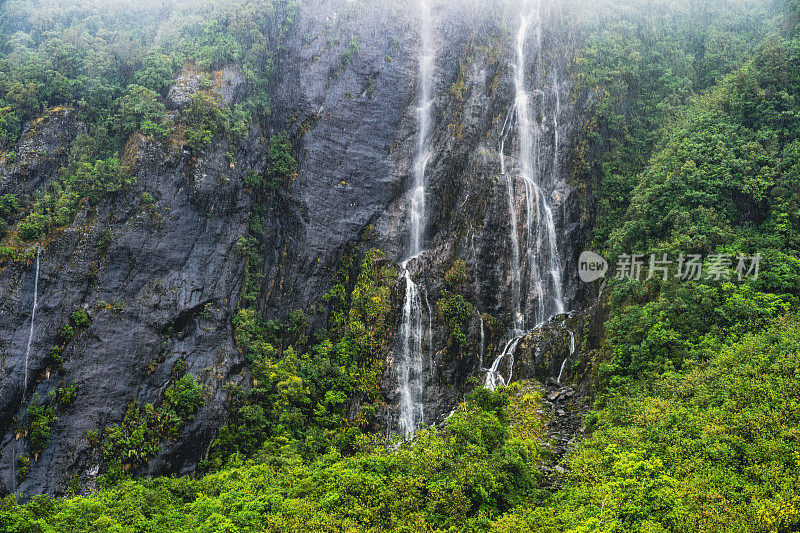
<point x="164" y="290"/>
<point x="352" y="119"/>
<point x="229" y="83"/>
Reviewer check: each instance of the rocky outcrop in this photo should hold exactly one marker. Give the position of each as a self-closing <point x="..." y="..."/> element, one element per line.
<point x="229" y="83"/>
<point x="166" y="285"/>
<point x="161" y="290"/>
<point x="43" y="149"/>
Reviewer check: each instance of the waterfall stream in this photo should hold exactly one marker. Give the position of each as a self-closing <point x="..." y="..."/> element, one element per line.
<point x="410" y="379"/>
<point x="483" y="341"/>
<point x="566" y="360"/>
<point x="33" y="318"/>
<point x="411" y="412"/>
<point x="536" y="272"/>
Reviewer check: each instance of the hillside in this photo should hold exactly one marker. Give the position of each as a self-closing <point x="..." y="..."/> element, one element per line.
<point x="318" y="265"/>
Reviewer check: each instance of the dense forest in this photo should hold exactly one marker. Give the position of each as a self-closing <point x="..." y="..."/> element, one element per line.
<point x="685" y="141"/>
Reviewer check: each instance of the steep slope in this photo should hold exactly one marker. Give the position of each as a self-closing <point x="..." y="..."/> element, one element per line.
<point x="220" y="255"/>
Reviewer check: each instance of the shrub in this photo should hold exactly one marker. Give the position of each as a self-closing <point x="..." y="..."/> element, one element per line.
<point x="282" y="165"/>
<point x="141" y="110"/>
<point x="184" y="397"/>
<point x="9" y="205"/>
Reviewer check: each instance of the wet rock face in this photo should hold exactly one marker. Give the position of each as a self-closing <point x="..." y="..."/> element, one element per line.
<point x="542" y="353"/>
<point x="348" y="93"/>
<point x="345" y="91"/>
<point x="43" y="149"/>
<point x="229" y="83"/>
<point x="163" y="290"/>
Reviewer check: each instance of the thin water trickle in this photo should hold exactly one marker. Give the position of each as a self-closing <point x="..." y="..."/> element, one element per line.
<point x="566" y="360"/>
<point x="410" y="379"/>
<point x="33" y="318"/>
<point x="494" y="376"/>
<point x="483" y="341"/>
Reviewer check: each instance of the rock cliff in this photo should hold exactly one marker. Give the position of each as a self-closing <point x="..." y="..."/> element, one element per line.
<point x="156" y="268"/>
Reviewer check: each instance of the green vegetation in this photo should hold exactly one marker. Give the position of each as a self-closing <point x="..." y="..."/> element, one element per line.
<point x="40" y="418"/>
<point x="142" y="110"/>
<point x="282" y="167"/>
<point x="712" y="448"/>
<point x="455" y="310"/>
<point x="691" y="142"/>
<point x="80" y="180"/>
<point x="79" y="320"/>
<point x="458" y="478"/>
<point x="304" y="389"/>
<point x="129" y="444"/>
<point x="9" y="205"/>
<point x="118" y="92"/>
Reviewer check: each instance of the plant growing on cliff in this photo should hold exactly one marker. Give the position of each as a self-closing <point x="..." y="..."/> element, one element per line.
<point x="455" y="310"/>
<point x="81" y="179"/>
<point x="135" y="440"/>
<point x="142" y="110"/>
<point x="41" y="416"/>
<point x="205" y="117"/>
<point x="282" y="167"/>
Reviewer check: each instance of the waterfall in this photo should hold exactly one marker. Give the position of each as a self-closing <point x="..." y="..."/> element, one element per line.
<point x="566" y="360"/>
<point x="33" y="317"/>
<point x="483" y="341"/>
<point x="411" y="412"/>
<point x="494" y="376"/>
<point x="536" y="271"/>
<point x="410" y="380"/>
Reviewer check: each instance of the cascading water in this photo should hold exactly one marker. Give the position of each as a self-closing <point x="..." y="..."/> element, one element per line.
<point x="410" y="379"/>
<point x="483" y="340"/>
<point x="536" y="273"/>
<point x="571" y="353"/>
<point x="411" y="412"/>
<point x="33" y="318"/>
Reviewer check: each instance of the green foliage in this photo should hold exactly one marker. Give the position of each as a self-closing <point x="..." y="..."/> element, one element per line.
<point x="642" y="65"/>
<point x="183" y="398"/>
<point x="455" y="310"/>
<point x="106" y="65"/>
<point x="710" y="449"/>
<point x="352" y="49"/>
<point x="131" y="443"/>
<point x="23" y="466"/>
<point x="79" y="321"/>
<point x="142" y="110"/>
<point x="457" y="478"/>
<point x="104" y="242"/>
<point x="724" y="181"/>
<point x="205" y="118"/>
<point x="282" y="167"/>
<point x="9" y="205"/>
<point x="252" y="179"/>
<point x="10" y="126"/>
<point x="41" y="416"/>
<point x="79" y="180"/>
<point x="302" y="392"/>
<point x="456" y="313"/>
